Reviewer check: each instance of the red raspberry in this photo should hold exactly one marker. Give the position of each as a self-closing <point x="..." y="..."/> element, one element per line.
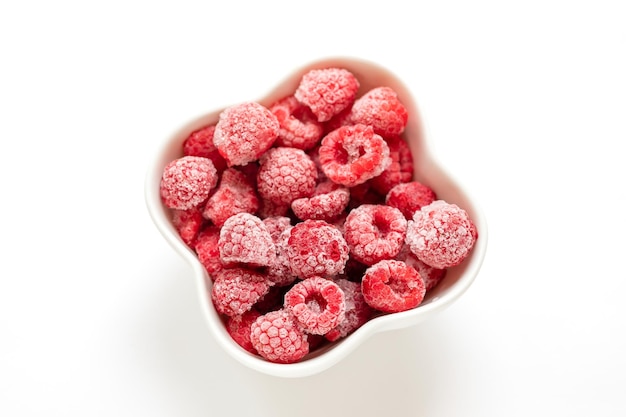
<point x="299" y="127"/>
<point x="207" y="250"/>
<point x="409" y="197"/>
<point x="352" y="155"/>
<point x="375" y="232"/>
<point x="239" y="328"/>
<point x="277" y="338"/>
<point x="236" y="290"/>
<point x="358" y="312"/>
<point x="235" y="194"/>
<point x="327" y="202"/>
<point x="244" y="132"/>
<point x="364" y="194"/>
<point x="380" y="108"/>
<point x="280" y="271"/>
<point x="200" y="143"/>
<point x="441" y="234"/>
<point x="316" y="248"/>
<point x="400" y="170"/>
<point x="318" y="304"/>
<point x="391" y="286"/>
<point x="188" y="223"/>
<point x="327" y="91"/>
<point x="268" y="208"/>
<point x="245" y="239"/>
<point x="431" y="276"/>
<point x="286" y="174"/>
<point x="187" y="182"/>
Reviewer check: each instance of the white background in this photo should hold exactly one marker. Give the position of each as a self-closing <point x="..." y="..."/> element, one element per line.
<point x="525" y="102"/>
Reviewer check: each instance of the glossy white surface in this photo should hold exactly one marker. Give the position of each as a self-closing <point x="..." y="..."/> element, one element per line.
<point x="524" y="104"/>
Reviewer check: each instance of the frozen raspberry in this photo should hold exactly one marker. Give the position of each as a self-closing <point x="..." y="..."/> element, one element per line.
<point x="327" y="202"/>
<point x="234" y="194"/>
<point x="399" y="171"/>
<point x="380" y="108"/>
<point x="200" y="143"/>
<point x="299" y="127"/>
<point x="207" y="250"/>
<point x="316" y="248"/>
<point x="391" y="286"/>
<point x="327" y="91"/>
<point x="441" y="234"/>
<point x="245" y="239"/>
<point x="188" y="223"/>
<point x="187" y="181"/>
<point x="409" y="197"/>
<point x="318" y="304"/>
<point x="358" y="312"/>
<point x="277" y="338"/>
<point x="286" y="174"/>
<point x="431" y="276"/>
<point x="280" y="272"/>
<point x="268" y="208"/>
<point x="244" y="132"/>
<point x="236" y="290"/>
<point x="352" y="155"/>
<point x="375" y="232"/>
<point x="239" y="328"/>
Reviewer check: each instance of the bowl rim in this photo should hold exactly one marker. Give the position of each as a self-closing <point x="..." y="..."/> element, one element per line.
<point x="326" y="358"/>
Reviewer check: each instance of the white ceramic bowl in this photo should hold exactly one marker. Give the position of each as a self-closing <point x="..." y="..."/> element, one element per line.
<point x="427" y="170"/>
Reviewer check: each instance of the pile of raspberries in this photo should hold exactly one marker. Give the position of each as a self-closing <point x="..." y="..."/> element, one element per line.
<point x="307" y="218"/>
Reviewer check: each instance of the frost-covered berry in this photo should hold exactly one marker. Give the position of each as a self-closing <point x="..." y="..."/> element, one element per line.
<point x="239" y="328"/>
<point x="327" y="92"/>
<point x="245" y="239"/>
<point x="244" y="132"/>
<point x="187" y="181"/>
<point x="392" y="286"/>
<point x="188" y="223"/>
<point x="316" y="248"/>
<point x="352" y="155"/>
<point x="431" y="276"/>
<point x="286" y="174"/>
<point x="236" y="290"/>
<point x="374" y="232"/>
<point x="358" y="312"/>
<point x="200" y="143"/>
<point x="207" y="250"/>
<point x="382" y="109"/>
<point x="299" y="127"/>
<point x="318" y="304"/>
<point x="234" y="194"/>
<point x="409" y="197"/>
<point x="277" y="338"/>
<point x="399" y="171"/>
<point x="441" y="234"/>
<point x="327" y="202"/>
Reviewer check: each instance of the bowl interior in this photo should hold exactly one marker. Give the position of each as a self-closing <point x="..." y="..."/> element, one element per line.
<point x="427" y="171"/>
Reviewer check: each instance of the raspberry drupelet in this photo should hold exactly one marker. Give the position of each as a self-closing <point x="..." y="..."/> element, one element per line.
<point x="200" y="143"/>
<point x="245" y="239"/>
<point x="237" y="290"/>
<point x="351" y="155"/>
<point x="327" y="202"/>
<point x="392" y="286"/>
<point x="239" y="328"/>
<point x="358" y="312"/>
<point x="299" y="127"/>
<point x="244" y="132"/>
<point x="187" y="182"/>
<point x="318" y="304"/>
<point x="286" y="174"/>
<point x="316" y="248"/>
<point x="399" y="171"/>
<point x="441" y="234"/>
<point x="409" y="197"/>
<point x="234" y="194"/>
<point x="277" y="338"/>
<point x="374" y="232"/>
<point x="327" y="92"/>
<point x="382" y="109"/>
